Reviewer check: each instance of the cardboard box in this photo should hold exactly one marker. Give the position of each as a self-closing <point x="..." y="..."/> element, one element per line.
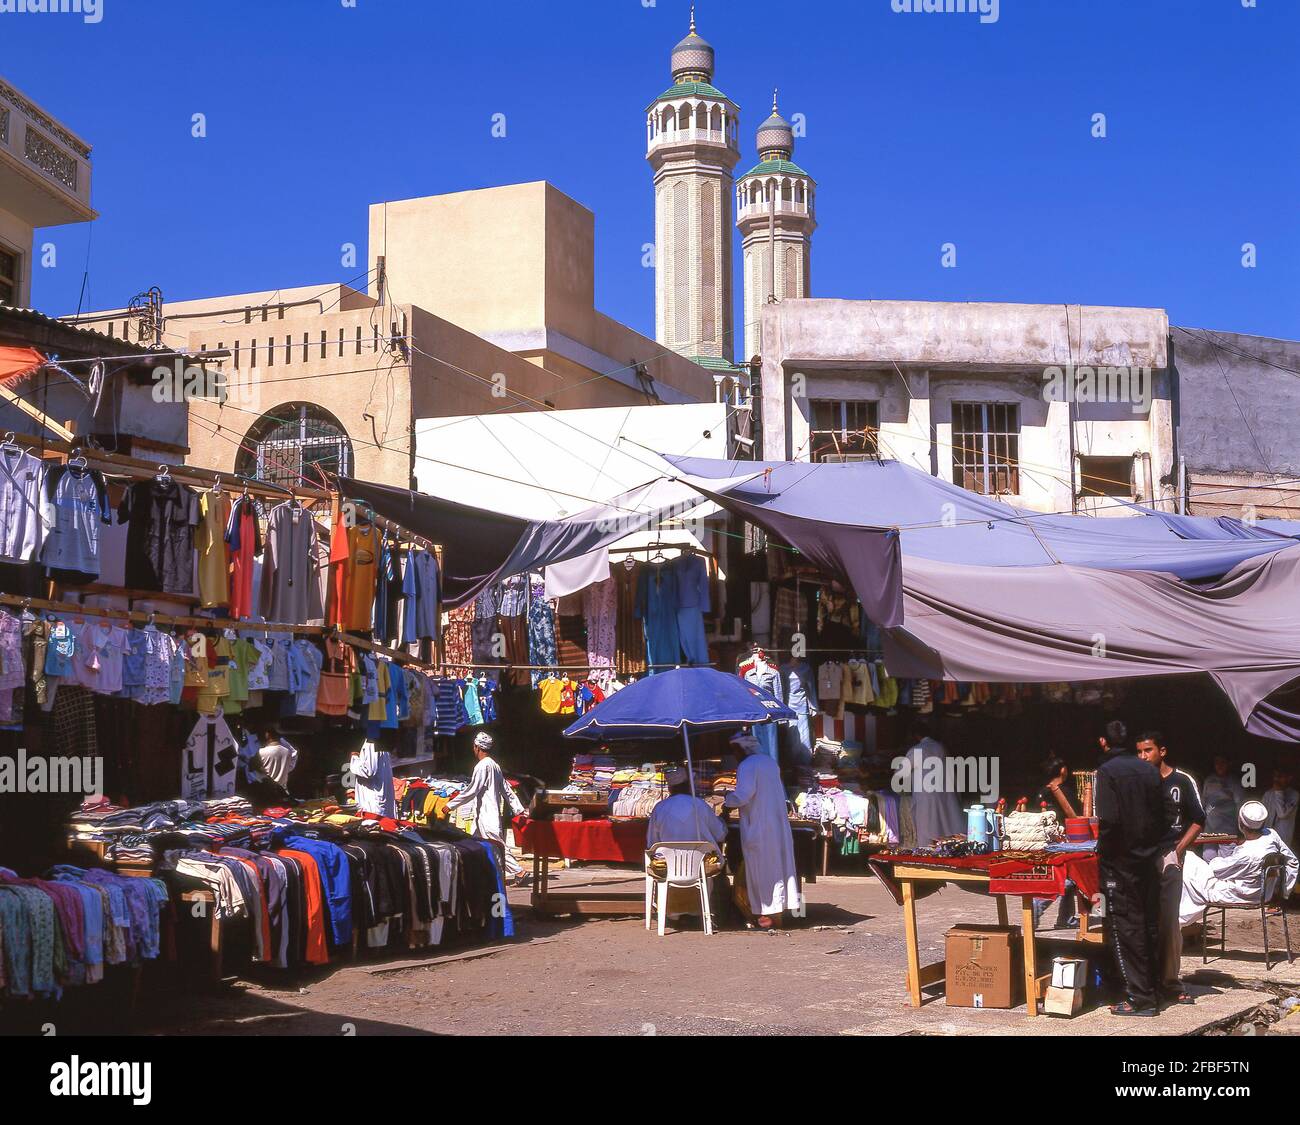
<point x="984" y="967"/>
<point x="1069" y="972"/>
<point x="1063" y="1001"/>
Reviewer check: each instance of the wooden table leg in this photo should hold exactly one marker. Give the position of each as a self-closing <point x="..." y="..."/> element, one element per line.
<point x="826" y="855"/>
<point x="1003" y="920"/>
<point x="1031" y="964"/>
<point x="910" y="939"/>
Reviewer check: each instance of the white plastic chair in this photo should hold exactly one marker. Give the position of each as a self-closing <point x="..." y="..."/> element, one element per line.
<point x="685" y="868"/>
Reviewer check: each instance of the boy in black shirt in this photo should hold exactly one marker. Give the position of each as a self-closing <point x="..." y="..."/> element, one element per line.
<point x="1186" y="818"/>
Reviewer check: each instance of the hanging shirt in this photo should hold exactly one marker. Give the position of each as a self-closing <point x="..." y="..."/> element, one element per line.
<point x="100" y="649"/>
<point x="210" y="543"/>
<point x="800" y="687"/>
<point x="656" y="608"/>
<point x="209" y="760"/>
<point x="359" y="578"/>
<point x="243" y="545"/>
<point x="420" y="616"/>
<point x="291" y="590"/>
<point x="76" y="504"/>
<point x="160" y="516"/>
<point x="22" y="528"/>
<point x="372" y="773"/>
<point x="305" y="662"/>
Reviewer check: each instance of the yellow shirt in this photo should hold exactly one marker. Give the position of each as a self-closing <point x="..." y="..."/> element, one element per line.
<point x="210" y="543"/>
<point x="552" y="691"/>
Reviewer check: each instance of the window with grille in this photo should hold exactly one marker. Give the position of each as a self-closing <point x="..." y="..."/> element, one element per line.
<point x="986" y="446"/>
<point x="844" y="429"/>
<point x="10" y="264"/>
<point x="293" y="445"/>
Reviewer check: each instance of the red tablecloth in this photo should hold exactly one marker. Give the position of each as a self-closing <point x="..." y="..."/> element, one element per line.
<point x="1004" y="873"/>
<point x="608" y="841"/>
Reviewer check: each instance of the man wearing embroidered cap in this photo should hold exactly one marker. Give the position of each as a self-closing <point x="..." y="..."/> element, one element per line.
<point x="1236" y="876"/>
<point x="486" y="793"/>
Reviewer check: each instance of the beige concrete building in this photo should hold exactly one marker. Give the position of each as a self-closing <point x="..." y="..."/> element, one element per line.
<point x="692" y="144"/>
<point x="977" y="394"/>
<point x="479" y="302"/>
<point x="44" y="182"/>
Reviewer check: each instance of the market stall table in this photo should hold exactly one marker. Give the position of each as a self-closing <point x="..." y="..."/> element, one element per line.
<point x="605" y="840"/>
<point x="597" y="840"/>
<point x="909" y="877"/>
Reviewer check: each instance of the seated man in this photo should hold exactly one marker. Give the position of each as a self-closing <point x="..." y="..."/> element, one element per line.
<point x="1235" y="877"/>
<point x="682" y="819"/>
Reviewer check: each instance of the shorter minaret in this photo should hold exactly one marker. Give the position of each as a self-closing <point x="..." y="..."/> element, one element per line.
<point x="776" y="214"/>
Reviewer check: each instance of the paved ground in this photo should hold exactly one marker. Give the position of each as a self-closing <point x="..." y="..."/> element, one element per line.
<point x="840" y="973"/>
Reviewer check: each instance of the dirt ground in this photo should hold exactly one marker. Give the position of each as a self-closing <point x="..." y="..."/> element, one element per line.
<point x="841" y="972"/>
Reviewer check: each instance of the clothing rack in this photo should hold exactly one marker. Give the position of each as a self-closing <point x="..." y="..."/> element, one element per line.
<point x="136" y="468"/>
<point x="556" y="667"/>
<point x="73" y="609"/>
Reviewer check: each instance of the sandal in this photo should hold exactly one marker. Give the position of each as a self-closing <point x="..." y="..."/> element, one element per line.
<point x="1125" y="1008"/>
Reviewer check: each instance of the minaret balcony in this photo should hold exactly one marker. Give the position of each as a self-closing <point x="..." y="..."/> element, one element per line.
<point x="689" y="138"/>
<point x="760" y="208"/>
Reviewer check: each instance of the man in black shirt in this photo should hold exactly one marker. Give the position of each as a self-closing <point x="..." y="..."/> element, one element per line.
<point x="1131" y="812"/>
<point x="1185" y="817"/>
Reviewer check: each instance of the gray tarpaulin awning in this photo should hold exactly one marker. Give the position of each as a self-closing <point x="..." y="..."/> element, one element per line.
<point x="481" y="547"/>
<point x="1044" y="624"/>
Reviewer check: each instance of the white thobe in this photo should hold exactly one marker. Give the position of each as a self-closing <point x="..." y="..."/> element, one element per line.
<point x="936" y="811"/>
<point x="771" y="879"/>
<point x="1281" y="805"/>
<point x="372" y="774"/>
<point x="486" y="792"/>
<point x="681" y="819"/>
<point x="1234" y="878"/>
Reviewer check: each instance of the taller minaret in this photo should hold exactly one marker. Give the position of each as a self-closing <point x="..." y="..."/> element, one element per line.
<point x="776" y="214"/>
<point x="691" y="136"/>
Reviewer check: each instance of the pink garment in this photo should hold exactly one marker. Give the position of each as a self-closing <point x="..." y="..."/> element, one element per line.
<point x="600" y="607"/>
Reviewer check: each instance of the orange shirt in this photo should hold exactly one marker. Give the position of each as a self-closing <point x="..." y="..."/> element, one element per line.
<point x="359" y="573"/>
<point x="314" y="899"/>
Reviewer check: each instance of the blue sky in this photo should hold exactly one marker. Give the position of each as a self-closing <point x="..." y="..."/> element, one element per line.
<point x="922" y="129"/>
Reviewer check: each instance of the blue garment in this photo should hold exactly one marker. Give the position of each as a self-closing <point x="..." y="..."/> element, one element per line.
<point x="305" y="662"/>
<point x="656" y="608"/>
<point x="692" y="574"/>
<point x="501" y="923"/>
<point x="336" y="882"/>
<point x="448" y="709"/>
<point x="59" y="649"/>
<point x="420" y="590"/>
<point x="469" y="696"/>
<point x="541" y="634"/>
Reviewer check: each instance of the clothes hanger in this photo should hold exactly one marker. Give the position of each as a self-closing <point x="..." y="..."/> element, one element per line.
<point x="78" y="459"/>
<point x="10" y="445"/>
